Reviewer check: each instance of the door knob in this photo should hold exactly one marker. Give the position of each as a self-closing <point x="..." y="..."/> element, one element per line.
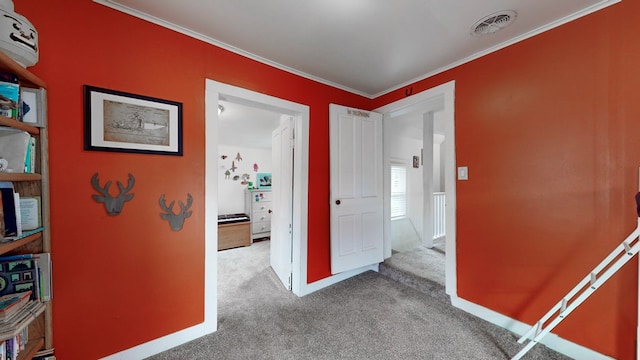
<point x="337" y="202"/>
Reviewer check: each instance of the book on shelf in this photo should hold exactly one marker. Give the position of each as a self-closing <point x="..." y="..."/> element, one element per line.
<point x="9" y="225"/>
<point x="43" y="266"/>
<point x="14" y="322"/>
<point x="45" y="354"/>
<point x="27" y="272"/>
<point x="15" y="336"/>
<point x="11" y="304"/>
<point x="30" y="156"/>
<point x="9" y="95"/>
<point x="16" y="204"/>
<point x="14" y="144"/>
<point x="30" y="217"/>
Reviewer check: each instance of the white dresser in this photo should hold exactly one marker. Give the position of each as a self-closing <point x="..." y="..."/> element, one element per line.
<point x="257" y="204"/>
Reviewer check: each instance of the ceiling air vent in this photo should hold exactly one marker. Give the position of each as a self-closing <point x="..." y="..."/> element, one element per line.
<point x="494" y="22"/>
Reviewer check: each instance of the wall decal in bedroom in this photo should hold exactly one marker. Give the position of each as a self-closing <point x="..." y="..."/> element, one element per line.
<point x="113" y="205"/>
<point x="176" y="221"/>
<point x="255" y="167"/>
<point x="245" y="179"/>
<point x="238" y="157"/>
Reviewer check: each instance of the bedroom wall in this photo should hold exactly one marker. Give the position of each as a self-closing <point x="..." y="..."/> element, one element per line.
<point x="125" y="280"/>
<point x="230" y="191"/>
<point x="548" y="128"/>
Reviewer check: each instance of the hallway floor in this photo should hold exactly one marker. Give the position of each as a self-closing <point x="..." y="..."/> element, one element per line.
<point x="422" y="262"/>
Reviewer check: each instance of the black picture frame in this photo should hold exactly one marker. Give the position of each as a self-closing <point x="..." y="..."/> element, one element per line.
<point x="124" y="122"/>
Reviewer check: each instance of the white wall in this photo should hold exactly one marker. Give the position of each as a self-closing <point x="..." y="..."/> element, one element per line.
<point x="438" y="163"/>
<point x="403" y="149"/>
<point x="230" y="192"/>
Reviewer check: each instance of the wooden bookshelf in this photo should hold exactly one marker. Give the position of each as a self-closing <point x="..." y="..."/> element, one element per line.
<point x="33" y="346"/>
<point x="31" y="184"/>
<point x="5" y="121"/>
<point x="27" y="78"/>
<point x="20" y="177"/>
<point x="10" y="246"/>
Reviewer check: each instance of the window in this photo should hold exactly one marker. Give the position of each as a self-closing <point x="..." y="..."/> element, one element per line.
<point x="398" y="191"/>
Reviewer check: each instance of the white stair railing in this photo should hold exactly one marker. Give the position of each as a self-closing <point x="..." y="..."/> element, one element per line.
<point x="596" y="278"/>
<point x="439" y="215"/>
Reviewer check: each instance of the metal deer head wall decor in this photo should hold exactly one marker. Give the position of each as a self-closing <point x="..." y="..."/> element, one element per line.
<point x="112" y="204"/>
<point x="176" y="221"/>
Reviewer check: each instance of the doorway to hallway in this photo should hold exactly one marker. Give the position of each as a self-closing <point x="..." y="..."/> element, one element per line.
<point x="423" y="115"/>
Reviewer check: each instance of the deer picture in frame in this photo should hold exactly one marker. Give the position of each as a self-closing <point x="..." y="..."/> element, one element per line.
<point x="176" y="221"/>
<point x="112" y="204"/>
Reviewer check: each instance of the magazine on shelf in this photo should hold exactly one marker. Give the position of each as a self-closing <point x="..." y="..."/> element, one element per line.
<point x="10" y="304"/>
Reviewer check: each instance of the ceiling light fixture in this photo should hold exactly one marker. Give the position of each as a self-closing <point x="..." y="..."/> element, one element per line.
<point x="493" y="23"/>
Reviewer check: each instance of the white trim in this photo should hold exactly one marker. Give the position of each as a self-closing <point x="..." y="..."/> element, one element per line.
<point x="300" y="113"/>
<point x="439" y="98"/>
<point x="169" y="25"/>
<point x="552" y="341"/>
<point x="161" y="344"/>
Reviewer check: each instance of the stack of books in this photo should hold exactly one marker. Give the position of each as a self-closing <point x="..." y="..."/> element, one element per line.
<point x="16" y="311"/>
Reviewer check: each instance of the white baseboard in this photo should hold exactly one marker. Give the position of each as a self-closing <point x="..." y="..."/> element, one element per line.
<point x="164" y="343"/>
<point x="334" y="279"/>
<point x="552" y="341"/>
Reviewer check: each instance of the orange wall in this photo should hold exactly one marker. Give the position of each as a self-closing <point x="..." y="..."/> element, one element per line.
<point x="546" y="127"/>
<point x="122" y="281"/>
<point x="550" y="130"/>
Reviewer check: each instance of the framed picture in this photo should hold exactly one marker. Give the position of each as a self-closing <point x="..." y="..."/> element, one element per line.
<point x="416" y="161"/>
<point x="124" y="122"/>
<point x="263" y="180"/>
<point x="33" y="106"/>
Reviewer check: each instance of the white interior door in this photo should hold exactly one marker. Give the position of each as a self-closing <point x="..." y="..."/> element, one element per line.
<point x="282" y="190"/>
<point x="356" y="188"/>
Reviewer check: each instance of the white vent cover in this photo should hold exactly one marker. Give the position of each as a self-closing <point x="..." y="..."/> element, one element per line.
<point x="493" y="23"/>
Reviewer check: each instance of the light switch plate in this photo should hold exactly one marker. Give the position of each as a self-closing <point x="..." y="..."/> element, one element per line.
<point x="463" y="173"/>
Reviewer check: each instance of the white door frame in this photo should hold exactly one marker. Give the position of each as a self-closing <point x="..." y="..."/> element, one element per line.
<point x="437" y="99"/>
<point x="216" y="91"/>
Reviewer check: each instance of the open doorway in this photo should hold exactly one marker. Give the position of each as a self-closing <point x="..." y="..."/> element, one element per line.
<point x="215" y="94"/>
<point x="419" y="137"/>
<point x="417" y="195"/>
<point x="249" y="176"/>
<point x="416" y="156"/>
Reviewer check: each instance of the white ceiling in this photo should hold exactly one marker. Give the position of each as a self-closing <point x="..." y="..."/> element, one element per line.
<point x="368" y="47"/>
<point x="246" y="126"/>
